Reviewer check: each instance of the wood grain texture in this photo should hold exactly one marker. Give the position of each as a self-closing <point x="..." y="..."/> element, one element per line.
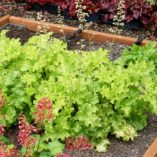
<point x="87" y="34"/>
<point x="4" y="20"/>
<point x="152" y="150"/>
<point x="32" y="25"/>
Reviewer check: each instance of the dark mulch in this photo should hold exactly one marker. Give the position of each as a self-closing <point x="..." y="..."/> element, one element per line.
<point x="12" y="134"/>
<point x="77" y="43"/>
<point x="118" y="148"/>
<point x="23" y="34"/>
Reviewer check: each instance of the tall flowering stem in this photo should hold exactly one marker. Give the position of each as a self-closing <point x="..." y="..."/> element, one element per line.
<point x="118" y="19"/>
<point x="24" y="136"/>
<point x="81" y="13"/>
<point x="1" y="130"/>
<point x="44" y="111"/>
<point x="81" y="143"/>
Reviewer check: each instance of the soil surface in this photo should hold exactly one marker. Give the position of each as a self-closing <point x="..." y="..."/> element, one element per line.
<point x="16" y="31"/>
<point x="118" y="148"/>
<point x="77" y="43"/>
<point x="18" y="10"/>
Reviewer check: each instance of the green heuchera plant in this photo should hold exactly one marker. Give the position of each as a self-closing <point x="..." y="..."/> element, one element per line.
<point x="92" y="96"/>
<point x="152" y="2"/>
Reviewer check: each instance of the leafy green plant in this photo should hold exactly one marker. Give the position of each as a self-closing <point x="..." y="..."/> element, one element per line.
<point x="152" y="2"/>
<point x="91" y="95"/>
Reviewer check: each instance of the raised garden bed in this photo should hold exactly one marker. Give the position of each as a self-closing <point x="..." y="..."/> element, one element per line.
<point x="132" y="32"/>
<point x="144" y="140"/>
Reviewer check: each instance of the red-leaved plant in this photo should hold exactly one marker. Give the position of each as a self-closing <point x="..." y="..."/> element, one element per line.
<point x="135" y="9"/>
<point x="5" y="151"/>
<point x="154" y="21"/>
<point x="80" y="143"/>
<point x="44" y="111"/>
<point x="1" y="130"/>
<point x="24" y="137"/>
<point x="138" y="9"/>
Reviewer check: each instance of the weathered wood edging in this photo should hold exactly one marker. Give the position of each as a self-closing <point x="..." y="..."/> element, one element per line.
<point x="152" y="150"/>
<point x="86" y="34"/>
<point x="4" y="20"/>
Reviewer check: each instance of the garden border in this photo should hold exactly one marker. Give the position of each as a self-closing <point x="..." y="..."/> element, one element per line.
<point x="4" y="20"/>
<point x="86" y="34"/>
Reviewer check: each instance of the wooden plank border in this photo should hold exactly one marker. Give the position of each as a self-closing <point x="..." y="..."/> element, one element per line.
<point x="152" y="150"/>
<point x="4" y="20"/>
<point x="87" y="34"/>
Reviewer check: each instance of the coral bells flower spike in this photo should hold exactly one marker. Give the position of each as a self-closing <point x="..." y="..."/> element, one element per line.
<point x="25" y="130"/>
<point x="81" y="143"/>
<point x="44" y="111"/>
<point x="1" y="130"/>
<point x="62" y="155"/>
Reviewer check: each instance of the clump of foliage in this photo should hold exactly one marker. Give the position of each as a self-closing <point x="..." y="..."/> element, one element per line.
<point x="78" y="94"/>
<point x="134" y="10"/>
<point x="152" y="2"/>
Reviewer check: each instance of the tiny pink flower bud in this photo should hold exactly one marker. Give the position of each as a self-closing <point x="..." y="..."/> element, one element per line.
<point x="1" y="130"/>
